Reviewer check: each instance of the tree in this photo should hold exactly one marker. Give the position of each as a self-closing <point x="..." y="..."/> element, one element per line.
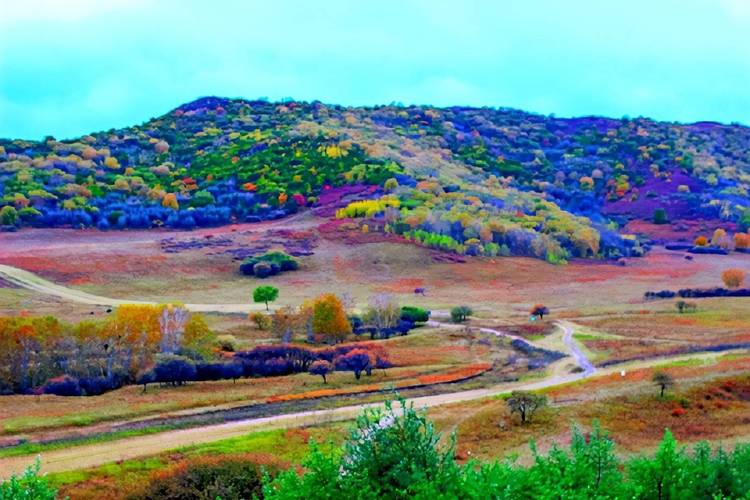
<point x="8" y="216"/>
<point x="720" y="239"/>
<point x="685" y="306"/>
<point x="357" y="361"/>
<point x="322" y="368"/>
<point x="539" y="310"/>
<point x="660" y="216"/>
<point x="701" y="241"/>
<point x="525" y="404"/>
<point x="663" y="381"/>
<point x="329" y="318"/>
<point x="741" y="241"/>
<point x="265" y="293"/>
<point x="391" y="453"/>
<point x="283" y="323"/>
<point x="384" y="312"/>
<point x="172" y="322"/>
<point x="170" y="201"/>
<point x="415" y="314"/>
<point x="460" y="313"/>
<point x="390" y="184"/>
<point x="175" y="370"/>
<point x="733" y="278"/>
<point x="262" y="321"/>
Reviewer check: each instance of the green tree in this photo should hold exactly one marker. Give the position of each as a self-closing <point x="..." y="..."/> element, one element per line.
<point x="660" y="216"/>
<point x="460" y="313"/>
<point x="265" y="294"/>
<point x="389" y="454"/>
<point x="8" y="216"/>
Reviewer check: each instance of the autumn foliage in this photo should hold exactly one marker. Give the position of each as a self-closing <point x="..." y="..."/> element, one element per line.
<point x="733" y="278"/>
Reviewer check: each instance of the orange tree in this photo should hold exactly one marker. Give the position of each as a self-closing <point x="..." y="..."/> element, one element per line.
<point x="329" y="318"/>
<point x="733" y="278"/>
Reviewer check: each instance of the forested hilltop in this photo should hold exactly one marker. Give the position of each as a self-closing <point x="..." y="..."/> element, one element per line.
<point x="479" y="181"/>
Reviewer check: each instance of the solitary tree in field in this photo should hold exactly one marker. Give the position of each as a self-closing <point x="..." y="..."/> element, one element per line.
<point x="525" y="404"/>
<point x="539" y="310"/>
<point x="733" y="278"/>
<point x="663" y="381"/>
<point x="322" y="368"/>
<point x="460" y="313"/>
<point x="266" y="294"/>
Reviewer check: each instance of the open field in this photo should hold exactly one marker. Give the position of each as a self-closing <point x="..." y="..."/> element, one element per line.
<point x="359" y="267"/>
<point x="598" y="315"/>
<point x="716" y="408"/>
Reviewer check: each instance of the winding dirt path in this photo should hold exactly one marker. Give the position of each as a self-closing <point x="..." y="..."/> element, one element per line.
<point x="575" y="351"/>
<point x="31" y="281"/>
<point x="84" y="456"/>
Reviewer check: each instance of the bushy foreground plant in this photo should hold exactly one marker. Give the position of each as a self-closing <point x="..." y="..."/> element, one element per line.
<point x="396" y="453"/>
<point x="27" y="486"/>
<point x="232" y="477"/>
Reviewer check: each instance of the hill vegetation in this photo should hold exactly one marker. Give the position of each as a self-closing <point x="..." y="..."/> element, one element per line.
<point x="478" y="181"/>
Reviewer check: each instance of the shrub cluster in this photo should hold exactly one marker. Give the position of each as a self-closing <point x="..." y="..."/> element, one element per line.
<point x="229" y="477"/>
<point x="268" y="264"/>
<point x="261" y="361"/>
<point x="415" y="314"/>
<point x="698" y="293"/>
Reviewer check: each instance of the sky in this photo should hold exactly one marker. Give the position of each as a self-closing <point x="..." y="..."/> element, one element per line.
<point x="69" y="67"/>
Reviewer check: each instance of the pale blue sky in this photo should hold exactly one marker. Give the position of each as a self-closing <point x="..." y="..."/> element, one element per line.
<point x="68" y="67"/>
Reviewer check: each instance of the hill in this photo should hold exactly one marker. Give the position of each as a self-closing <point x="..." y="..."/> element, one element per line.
<point x="479" y="181"/>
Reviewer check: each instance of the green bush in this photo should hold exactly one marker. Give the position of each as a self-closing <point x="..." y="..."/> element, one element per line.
<point x="225" y="477"/>
<point x="29" y="485"/>
<point x="415" y="314"/>
<point x="268" y="264"/>
<point x="395" y="454"/>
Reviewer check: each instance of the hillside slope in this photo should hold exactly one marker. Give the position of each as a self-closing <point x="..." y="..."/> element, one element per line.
<point x="471" y="180"/>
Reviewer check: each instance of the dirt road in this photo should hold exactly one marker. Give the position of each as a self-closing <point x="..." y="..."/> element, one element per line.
<point x="34" y="282"/>
<point x="79" y="457"/>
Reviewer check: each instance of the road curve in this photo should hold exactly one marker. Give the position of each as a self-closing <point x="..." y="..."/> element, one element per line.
<point x="31" y="281"/>
<point x="575" y="351"/>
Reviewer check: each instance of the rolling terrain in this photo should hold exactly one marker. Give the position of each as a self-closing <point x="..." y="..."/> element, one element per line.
<point x="456" y="256"/>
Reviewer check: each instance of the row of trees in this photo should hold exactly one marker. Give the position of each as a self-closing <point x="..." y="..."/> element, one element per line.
<point x="720" y="239"/>
<point x="325" y="318"/>
<point x="98" y="355"/>
<point x="261" y="361"/>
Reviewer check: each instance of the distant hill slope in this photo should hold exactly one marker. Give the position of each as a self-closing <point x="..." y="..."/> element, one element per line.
<point x="472" y="180"/>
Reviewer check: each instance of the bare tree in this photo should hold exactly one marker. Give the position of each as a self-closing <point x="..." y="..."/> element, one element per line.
<point x="525" y="404"/>
<point x="172" y="321"/>
<point x="384" y="312"/>
<point x="663" y="381"/>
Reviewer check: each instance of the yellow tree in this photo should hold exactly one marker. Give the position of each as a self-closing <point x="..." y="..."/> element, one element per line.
<point x="130" y="337"/>
<point x="329" y="318"/>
